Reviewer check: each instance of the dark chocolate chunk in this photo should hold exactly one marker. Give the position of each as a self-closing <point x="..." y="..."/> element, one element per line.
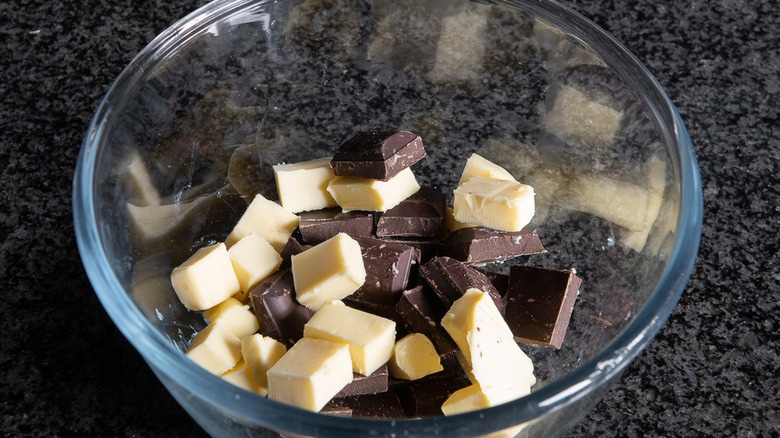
<point x="428" y="247"/>
<point x="291" y="248"/>
<point x="320" y="225"/>
<point x="371" y="384"/>
<point x="479" y="245"/>
<point x="539" y="303"/>
<point x="420" y="215"/>
<point x="450" y="279"/>
<point x="499" y="280"/>
<point x="334" y="409"/>
<point x="382" y="405"/>
<point x="279" y="314"/>
<point x="424" y="397"/>
<point x="387" y="271"/>
<point x="421" y="312"/>
<point x="377" y="155"/>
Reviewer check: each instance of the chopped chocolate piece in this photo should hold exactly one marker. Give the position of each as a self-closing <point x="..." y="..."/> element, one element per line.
<point x="320" y="225"/>
<point x="421" y="311"/>
<point x="450" y="279"/>
<point x="479" y="245"/>
<point x="428" y="248"/>
<point x="374" y="383"/>
<point x="420" y="215"/>
<point x="539" y="303"/>
<point x="387" y="271"/>
<point x="377" y="155"/>
<point x="425" y="396"/>
<point x="499" y="280"/>
<point x="291" y="248"/>
<point x="382" y="405"/>
<point x="336" y="410"/>
<point x="279" y="314"/>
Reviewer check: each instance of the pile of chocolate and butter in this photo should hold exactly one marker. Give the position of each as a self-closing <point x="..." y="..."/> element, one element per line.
<point x="362" y="293"/>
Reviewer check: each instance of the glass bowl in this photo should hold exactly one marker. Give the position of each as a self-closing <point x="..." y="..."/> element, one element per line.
<point x="190" y="129"/>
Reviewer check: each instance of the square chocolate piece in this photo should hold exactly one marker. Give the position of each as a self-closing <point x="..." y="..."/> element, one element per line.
<point x="420" y="215"/>
<point x="320" y="225"/>
<point x="377" y="155"/>
<point x="480" y="245"/>
<point x="279" y="314"/>
<point x="539" y="303"/>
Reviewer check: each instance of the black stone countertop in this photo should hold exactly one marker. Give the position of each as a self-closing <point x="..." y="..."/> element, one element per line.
<point x="65" y="370"/>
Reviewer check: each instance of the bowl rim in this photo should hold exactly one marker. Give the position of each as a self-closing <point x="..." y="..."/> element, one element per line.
<point x="554" y="396"/>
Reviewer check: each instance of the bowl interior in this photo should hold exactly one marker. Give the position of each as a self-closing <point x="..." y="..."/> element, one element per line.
<point x="205" y="111"/>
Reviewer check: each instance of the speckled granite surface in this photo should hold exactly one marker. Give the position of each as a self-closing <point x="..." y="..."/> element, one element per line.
<point x="711" y="371"/>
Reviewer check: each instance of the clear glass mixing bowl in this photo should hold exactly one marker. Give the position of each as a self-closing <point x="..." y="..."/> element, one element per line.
<point x="237" y="86"/>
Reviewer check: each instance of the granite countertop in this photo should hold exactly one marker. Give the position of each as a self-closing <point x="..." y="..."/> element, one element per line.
<point x="711" y="371"/>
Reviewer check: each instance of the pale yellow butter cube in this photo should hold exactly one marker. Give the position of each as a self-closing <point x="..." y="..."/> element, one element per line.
<point x="477" y="165"/>
<point x="370" y="337"/>
<point x="215" y="348"/>
<point x="310" y="374"/>
<point x="655" y="175"/>
<point x="136" y="180"/>
<point x="260" y="353"/>
<point x="206" y="278"/>
<point x="373" y="195"/>
<point x="498" y="365"/>
<point x="414" y="357"/>
<point x="253" y="259"/>
<point x="235" y="315"/>
<point x="304" y="186"/>
<point x="576" y="118"/>
<point x="494" y="203"/>
<point x="239" y="377"/>
<point x="465" y="399"/>
<point x="328" y="271"/>
<point x="267" y="218"/>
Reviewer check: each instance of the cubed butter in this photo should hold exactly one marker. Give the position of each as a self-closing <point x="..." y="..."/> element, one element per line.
<point x="206" y="278"/>
<point x="239" y="377"/>
<point x="373" y="195"/>
<point x="304" y="186"/>
<point x="136" y="181"/>
<point x="328" y="271"/>
<point x="235" y="315"/>
<point x="414" y="357"/>
<point x="266" y="218"/>
<point x="310" y="374"/>
<point x="655" y="175"/>
<point x="260" y="353"/>
<point x="370" y="337"/>
<point x="253" y="259"/>
<point x="215" y="348"/>
<point x="498" y="365"/>
<point x="459" y="54"/>
<point x="477" y="165"/>
<point x="465" y="399"/>
<point x="494" y="203"/>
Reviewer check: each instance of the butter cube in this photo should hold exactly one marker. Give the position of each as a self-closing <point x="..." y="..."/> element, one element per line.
<point x="353" y="193"/>
<point x="260" y="353"/>
<point x="414" y="357"/>
<point x="266" y="218"/>
<point x="206" y="278"/>
<point x="253" y="259"/>
<point x="310" y="374"/>
<point x="655" y="175"/>
<point x="328" y="271"/>
<point x="494" y="203"/>
<point x="136" y="181"/>
<point x="370" y="337"/>
<point x="239" y="377"/>
<point x="215" y="348"/>
<point x="304" y="186"/>
<point x="465" y="399"/>
<point x="235" y="315"/>
<point x="476" y="165"/>
<point x="498" y="365"/>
